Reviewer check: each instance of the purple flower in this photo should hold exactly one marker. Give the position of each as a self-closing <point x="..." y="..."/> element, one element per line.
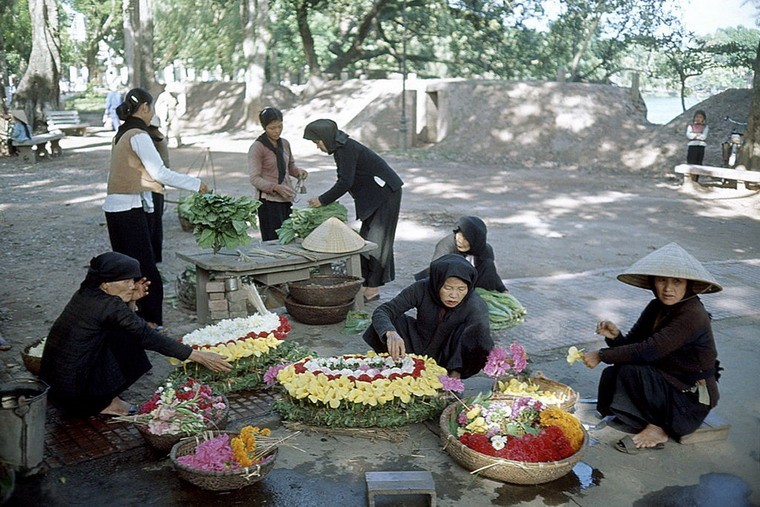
<point x="519" y="357"/>
<point x="270" y="377"/>
<point x="462" y="418"/>
<point x="454" y="385"/>
<point x="497" y="363"/>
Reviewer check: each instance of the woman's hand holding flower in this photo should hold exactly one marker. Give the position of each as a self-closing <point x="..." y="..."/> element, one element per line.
<point x="591" y="359"/>
<point x="211" y="360"/>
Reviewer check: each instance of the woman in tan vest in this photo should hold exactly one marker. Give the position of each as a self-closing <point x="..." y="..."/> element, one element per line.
<point x="136" y="171"/>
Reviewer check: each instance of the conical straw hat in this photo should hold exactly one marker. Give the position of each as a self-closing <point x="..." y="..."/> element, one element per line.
<point x="674" y="262"/>
<point x="333" y="236"/>
<point x="19" y="114"/>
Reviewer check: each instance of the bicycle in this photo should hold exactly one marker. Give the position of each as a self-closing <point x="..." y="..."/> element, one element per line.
<point x="731" y="147"/>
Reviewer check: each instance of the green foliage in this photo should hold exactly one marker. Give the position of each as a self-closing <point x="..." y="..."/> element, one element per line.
<point x="504" y="310"/>
<point x="302" y="221"/>
<point x="247" y="373"/>
<point x="221" y="221"/>
<point x="16" y="28"/>
<point x="355" y="415"/>
<point x="357" y="321"/>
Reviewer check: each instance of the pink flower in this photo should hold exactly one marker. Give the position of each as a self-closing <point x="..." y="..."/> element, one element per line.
<point x="213" y="454"/>
<point x="270" y="377"/>
<point x="519" y="357"/>
<point x="497" y="363"/>
<point x="454" y="385"/>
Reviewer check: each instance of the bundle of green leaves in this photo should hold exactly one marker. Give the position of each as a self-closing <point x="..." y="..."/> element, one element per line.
<point x="221" y="221"/>
<point x="302" y="221"/>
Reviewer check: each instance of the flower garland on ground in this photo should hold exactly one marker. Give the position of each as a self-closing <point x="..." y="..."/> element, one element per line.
<point x="188" y="408"/>
<point x="519" y="430"/>
<point x="361" y="390"/>
<point x="251" y="344"/>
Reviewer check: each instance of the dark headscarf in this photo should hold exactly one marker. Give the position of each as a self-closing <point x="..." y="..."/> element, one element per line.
<point x="475" y="232"/>
<point x="267" y="116"/>
<point x="326" y="131"/>
<point x="111" y="267"/>
<point x="125" y="111"/>
<point x="447" y="266"/>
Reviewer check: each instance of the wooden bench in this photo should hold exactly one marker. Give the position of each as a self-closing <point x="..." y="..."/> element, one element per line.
<point x="67" y="121"/>
<point x="36" y="148"/>
<point x="731" y="175"/>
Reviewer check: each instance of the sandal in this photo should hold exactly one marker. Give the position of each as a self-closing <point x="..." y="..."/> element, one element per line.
<point x="628" y="446"/>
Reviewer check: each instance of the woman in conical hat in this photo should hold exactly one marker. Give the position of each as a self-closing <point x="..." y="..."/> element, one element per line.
<point x="662" y="381"/>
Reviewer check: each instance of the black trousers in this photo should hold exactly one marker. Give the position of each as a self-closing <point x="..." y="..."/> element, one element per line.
<point x="271" y="216"/>
<point x="156" y="222"/>
<point x="695" y="155"/>
<point x="639" y="395"/>
<point x="130" y="234"/>
<point x="378" y="267"/>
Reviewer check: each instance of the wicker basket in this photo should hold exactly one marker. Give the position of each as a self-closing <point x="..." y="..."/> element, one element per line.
<point x="164" y="443"/>
<point x="325" y="290"/>
<point x="185" y="224"/>
<point x="317" y="315"/>
<point x="545" y="384"/>
<point x="214" y="480"/>
<point x="514" y="472"/>
<point x="32" y="363"/>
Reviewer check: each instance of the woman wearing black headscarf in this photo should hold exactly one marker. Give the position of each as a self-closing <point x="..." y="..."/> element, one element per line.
<point x="136" y="171"/>
<point x="376" y="190"/>
<point x="272" y="169"/>
<point x="96" y="348"/>
<point x="452" y="321"/>
<point x="469" y="241"/>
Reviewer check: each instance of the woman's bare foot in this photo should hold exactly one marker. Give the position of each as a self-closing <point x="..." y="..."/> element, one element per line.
<point x="650" y="437"/>
<point x="117" y="407"/>
<point x="371" y="293"/>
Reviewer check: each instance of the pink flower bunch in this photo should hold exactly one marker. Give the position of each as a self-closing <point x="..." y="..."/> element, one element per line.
<point x="501" y="360"/>
<point x="451" y="384"/>
<point x="214" y="454"/>
<point x="270" y="377"/>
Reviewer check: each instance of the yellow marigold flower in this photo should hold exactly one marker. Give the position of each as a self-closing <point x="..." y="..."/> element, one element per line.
<point x="239" y="452"/>
<point x="574" y="354"/>
<point x="266" y="432"/>
<point x="569" y="425"/>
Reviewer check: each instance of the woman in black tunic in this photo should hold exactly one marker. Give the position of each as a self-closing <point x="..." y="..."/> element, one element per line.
<point x="662" y="381"/>
<point x="96" y="348"/>
<point x="376" y="189"/>
<point x="452" y="321"/>
<point x="469" y="241"/>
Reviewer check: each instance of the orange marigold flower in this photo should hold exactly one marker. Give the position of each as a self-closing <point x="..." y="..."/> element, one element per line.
<point x="569" y="425"/>
<point x="239" y="452"/>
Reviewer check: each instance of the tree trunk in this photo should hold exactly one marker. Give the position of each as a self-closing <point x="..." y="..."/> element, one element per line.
<point x="138" y="43"/>
<point x="38" y="90"/>
<point x="750" y="153"/>
<point x="254" y="15"/>
<point x="316" y="80"/>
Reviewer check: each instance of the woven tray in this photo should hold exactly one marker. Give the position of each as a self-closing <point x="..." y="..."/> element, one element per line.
<point x="164" y="443"/>
<point x="514" y="472"/>
<point x="545" y="384"/>
<point x="213" y="480"/>
<point x="32" y="363"/>
<point x="317" y="315"/>
<point x="325" y="290"/>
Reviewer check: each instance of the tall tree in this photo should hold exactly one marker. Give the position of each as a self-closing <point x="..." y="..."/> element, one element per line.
<point x="138" y="43"/>
<point x="750" y="154"/>
<point x="254" y="14"/>
<point x="38" y="90"/>
<point x="102" y="22"/>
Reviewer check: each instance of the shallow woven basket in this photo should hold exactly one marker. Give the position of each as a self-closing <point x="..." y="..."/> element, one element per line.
<point x="164" y="443"/>
<point x="325" y="290"/>
<point x="32" y="363"/>
<point x="214" y="480"/>
<point x="514" y="472"/>
<point x="310" y="314"/>
<point x="545" y="384"/>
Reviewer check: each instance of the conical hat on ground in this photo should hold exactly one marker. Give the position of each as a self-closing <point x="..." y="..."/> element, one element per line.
<point x="674" y="262"/>
<point x="333" y="236"/>
<point x="19" y="114"/>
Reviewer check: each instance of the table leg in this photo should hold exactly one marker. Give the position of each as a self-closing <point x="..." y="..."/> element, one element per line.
<point x="201" y="296"/>
<point x="354" y="268"/>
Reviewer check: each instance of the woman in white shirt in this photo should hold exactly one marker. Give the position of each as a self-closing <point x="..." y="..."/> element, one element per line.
<point x="136" y="171"/>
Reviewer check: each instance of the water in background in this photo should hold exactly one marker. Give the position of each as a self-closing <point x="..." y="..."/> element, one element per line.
<point x="661" y="110"/>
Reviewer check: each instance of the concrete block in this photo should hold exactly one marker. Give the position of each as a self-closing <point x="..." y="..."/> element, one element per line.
<point x="218" y="305"/>
<point x="216" y="296"/>
<point x="214" y="287"/>
<point x="236" y="295"/>
<point x="238" y="315"/>
<point x="237" y="306"/>
<point x="218" y="315"/>
<point x="400" y="483"/>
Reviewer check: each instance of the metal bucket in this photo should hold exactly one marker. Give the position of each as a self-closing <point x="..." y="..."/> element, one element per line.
<point x="23" y="404"/>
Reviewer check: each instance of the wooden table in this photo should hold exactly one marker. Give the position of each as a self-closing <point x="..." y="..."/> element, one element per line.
<point x="267" y="270"/>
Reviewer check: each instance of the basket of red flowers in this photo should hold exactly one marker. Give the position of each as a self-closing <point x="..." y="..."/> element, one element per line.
<point x="517" y="441"/>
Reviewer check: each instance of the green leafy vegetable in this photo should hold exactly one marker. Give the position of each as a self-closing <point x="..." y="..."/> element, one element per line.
<point x="221" y="221"/>
<point x="504" y="310"/>
<point x="302" y="221"/>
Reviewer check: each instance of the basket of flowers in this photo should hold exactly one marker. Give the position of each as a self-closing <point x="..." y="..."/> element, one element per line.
<point x="31" y="355"/>
<point x="361" y="391"/>
<point x="173" y="413"/>
<point x="519" y="442"/>
<point x="508" y="368"/>
<point x="226" y="460"/>
<point x="251" y="344"/>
